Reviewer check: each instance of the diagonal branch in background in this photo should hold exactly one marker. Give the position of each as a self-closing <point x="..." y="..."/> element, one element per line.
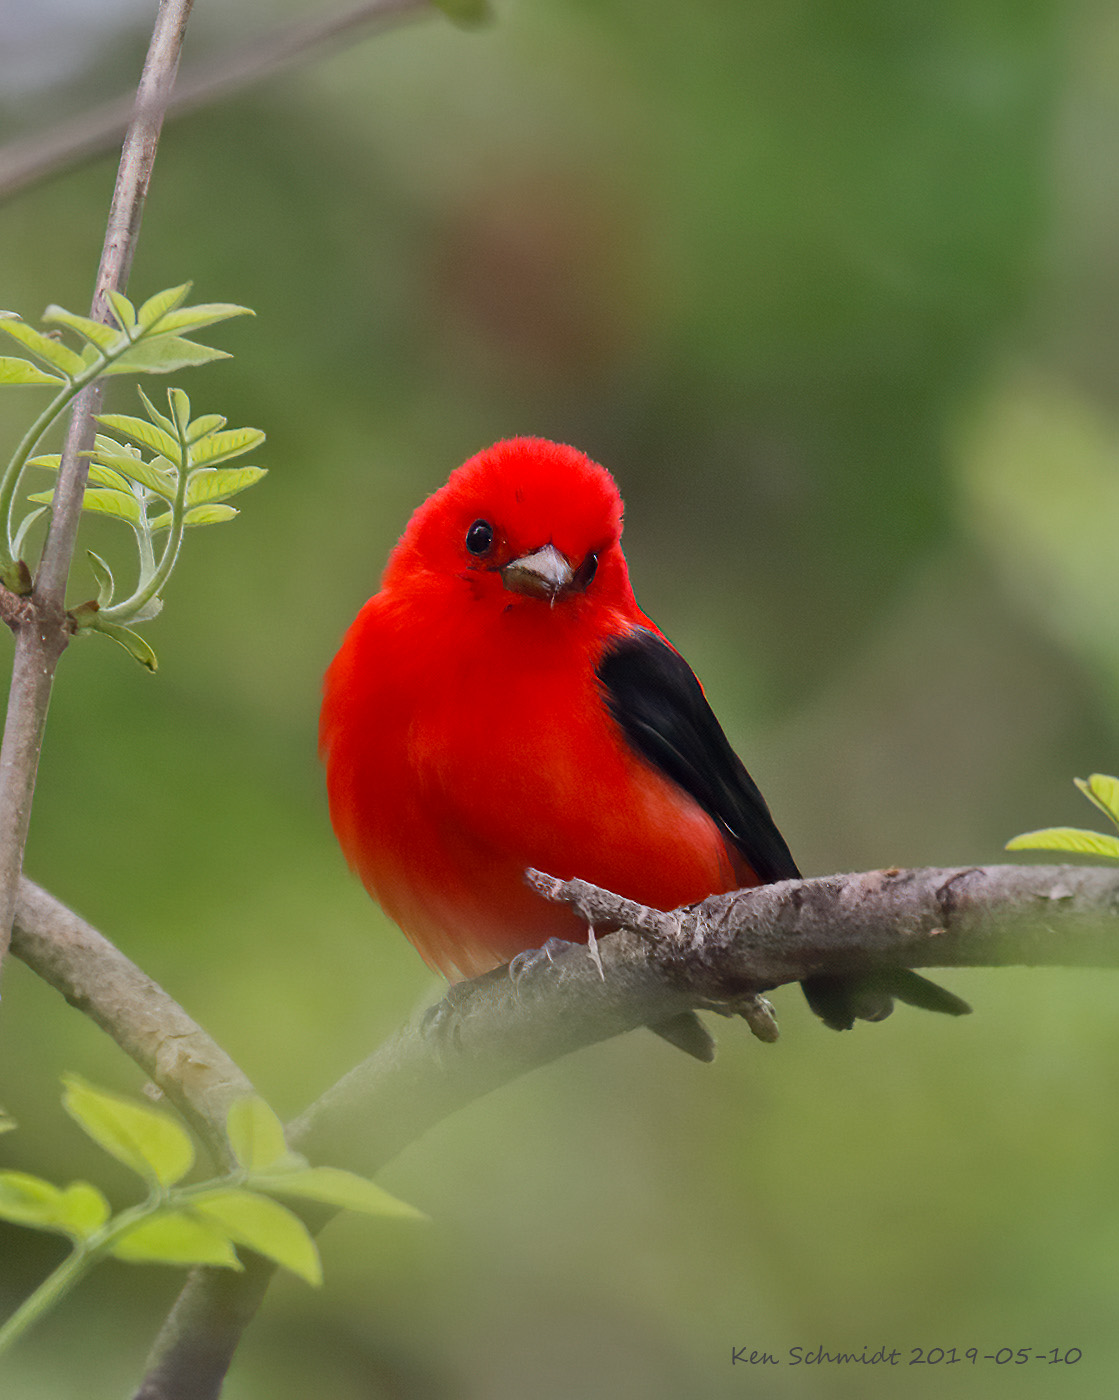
<point x="42" y="635"/>
<point x="716" y="955"/>
<point x="194" y="1072"/>
<point x="31" y="159"/>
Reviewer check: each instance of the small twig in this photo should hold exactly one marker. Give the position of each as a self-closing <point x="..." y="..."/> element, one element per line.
<point x="42" y="637"/>
<point x="25" y="162"/>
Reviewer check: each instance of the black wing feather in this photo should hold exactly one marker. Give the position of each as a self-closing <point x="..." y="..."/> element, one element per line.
<point x="653" y="694"/>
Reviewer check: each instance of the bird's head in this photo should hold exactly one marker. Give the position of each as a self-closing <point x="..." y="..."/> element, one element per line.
<point x="526" y="523"/>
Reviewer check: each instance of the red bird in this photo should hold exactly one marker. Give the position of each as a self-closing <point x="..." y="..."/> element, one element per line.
<point x="503" y="702"/>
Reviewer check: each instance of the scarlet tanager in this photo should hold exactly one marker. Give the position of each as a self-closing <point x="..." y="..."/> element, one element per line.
<point x="503" y="703"/>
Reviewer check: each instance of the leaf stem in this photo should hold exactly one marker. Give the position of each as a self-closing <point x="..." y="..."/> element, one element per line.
<point x="9" y="486"/>
<point x="50" y="1292"/>
<point x="150" y="586"/>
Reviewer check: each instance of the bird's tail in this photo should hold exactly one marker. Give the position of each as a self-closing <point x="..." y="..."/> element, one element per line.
<point x="841" y="1001"/>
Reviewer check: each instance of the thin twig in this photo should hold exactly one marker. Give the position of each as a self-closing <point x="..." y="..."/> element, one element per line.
<point x="29" y="160"/>
<point x="43" y="637"/>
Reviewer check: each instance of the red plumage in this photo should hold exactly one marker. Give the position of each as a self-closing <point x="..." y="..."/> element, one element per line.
<point x="466" y="730"/>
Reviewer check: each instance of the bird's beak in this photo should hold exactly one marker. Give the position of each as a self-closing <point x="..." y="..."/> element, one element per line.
<point x="544" y="574"/>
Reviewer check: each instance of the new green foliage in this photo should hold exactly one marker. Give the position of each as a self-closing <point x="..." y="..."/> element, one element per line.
<point x="180" y="1225"/>
<point x="178" y="485"/>
<point x="1100" y="789"/>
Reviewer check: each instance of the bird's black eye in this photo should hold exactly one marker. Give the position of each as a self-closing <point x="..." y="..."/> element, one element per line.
<point x="479" y="537"/>
<point x="585" y="572"/>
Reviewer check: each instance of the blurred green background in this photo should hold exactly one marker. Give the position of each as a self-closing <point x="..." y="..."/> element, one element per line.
<point x="831" y="288"/>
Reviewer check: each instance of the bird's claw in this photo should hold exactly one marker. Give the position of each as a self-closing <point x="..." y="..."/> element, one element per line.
<point x="442" y="1025"/>
<point x="533" y="959"/>
<point x="759" y="1015"/>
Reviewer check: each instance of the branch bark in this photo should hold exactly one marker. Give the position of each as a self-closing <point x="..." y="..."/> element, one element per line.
<point x="43" y="633"/>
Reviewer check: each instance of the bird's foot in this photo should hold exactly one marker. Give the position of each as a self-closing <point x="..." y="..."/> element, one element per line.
<point x="442" y="1023"/>
<point x="530" y="962"/>
<point x="759" y="1015"/>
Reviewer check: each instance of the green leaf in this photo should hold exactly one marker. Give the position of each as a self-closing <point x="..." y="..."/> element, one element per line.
<point x="174" y="1237"/>
<point x="121" y="505"/>
<point x="336" y="1187"/>
<point x="146" y="434"/>
<point x="179" y="404"/>
<point x="7" y="1122"/>
<point x="206" y="313"/>
<point x="82" y="1210"/>
<point x="255" y="1134"/>
<point x="28" y="1200"/>
<point x="209" y="515"/>
<point x="52" y="352"/>
<point x="106" y="338"/>
<point x="262" y="1224"/>
<point x="100" y="475"/>
<point x="164" y="354"/>
<point x="103" y="475"/>
<point x="132" y="642"/>
<point x="1103" y="790"/>
<point x="106" y="500"/>
<point x="21" y="534"/>
<point x="123" y="309"/>
<point x="145" y="1139"/>
<point x="219" y="447"/>
<point x="217" y="484"/>
<point x="155" y="475"/>
<point x="1067" y="838"/>
<point x="104" y="576"/>
<point x="77" y="1210"/>
<point x="146" y="611"/>
<point x="16" y="371"/>
<point x="158" y="306"/>
<point x="208" y="423"/>
<point x="154" y="414"/>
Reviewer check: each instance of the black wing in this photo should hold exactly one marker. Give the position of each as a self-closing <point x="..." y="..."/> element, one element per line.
<point x="663" y="712"/>
<point x="653" y="694"/>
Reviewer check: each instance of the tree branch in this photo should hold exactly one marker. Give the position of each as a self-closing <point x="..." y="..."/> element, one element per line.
<point x="717" y="955"/>
<point x="25" y="162"/>
<point x="70" y="955"/>
<point x="970" y="916"/>
<point x="43" y="635"/>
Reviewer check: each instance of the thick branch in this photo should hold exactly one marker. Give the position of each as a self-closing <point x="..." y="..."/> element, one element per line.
<point x="716" y="955"/>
